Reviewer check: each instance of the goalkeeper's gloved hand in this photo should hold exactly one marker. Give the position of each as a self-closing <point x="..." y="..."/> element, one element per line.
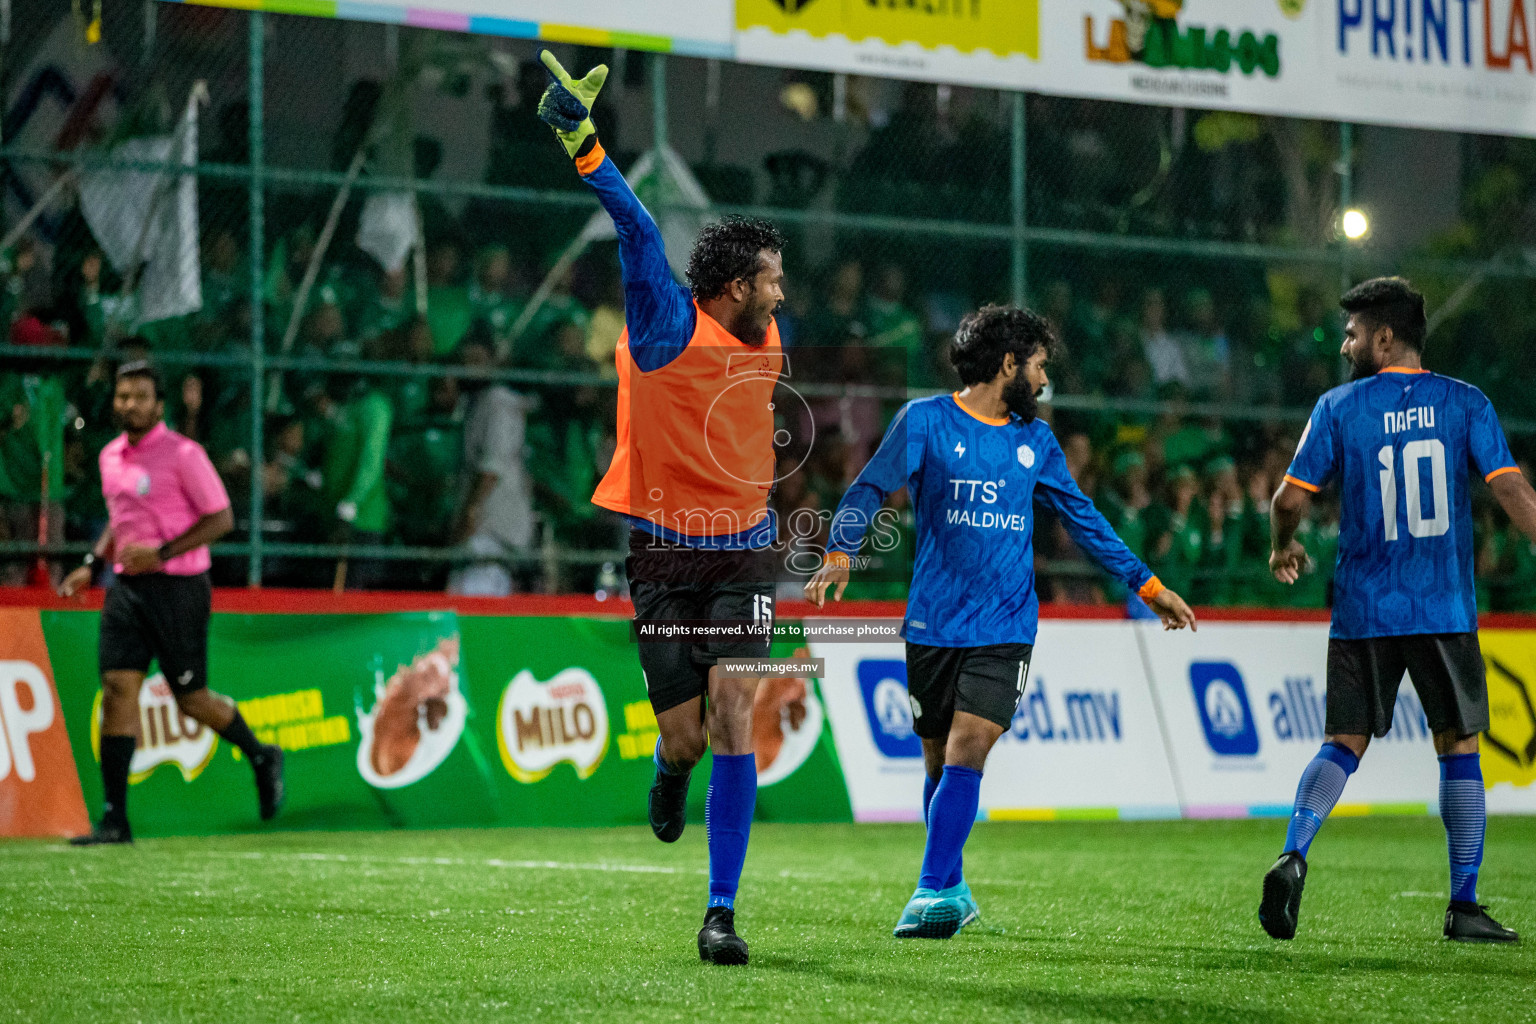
<point x="566" y="105"/>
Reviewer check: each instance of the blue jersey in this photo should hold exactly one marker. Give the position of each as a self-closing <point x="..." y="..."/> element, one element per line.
<point x="1401" y="444"/>
<point x="973" y="483"/>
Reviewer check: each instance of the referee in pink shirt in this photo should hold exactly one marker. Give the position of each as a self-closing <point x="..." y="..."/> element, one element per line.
<point x="165" y="505"/>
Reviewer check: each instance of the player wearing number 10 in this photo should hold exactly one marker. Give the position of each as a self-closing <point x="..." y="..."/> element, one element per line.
<point x="1400" y="440"/>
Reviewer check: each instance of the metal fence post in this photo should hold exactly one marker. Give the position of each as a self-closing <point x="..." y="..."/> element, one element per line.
<point x="1346" y="195"/>
<point x="1020" y="221"/>
<point x="257" y="257"/>
<point x="659" y="101"/>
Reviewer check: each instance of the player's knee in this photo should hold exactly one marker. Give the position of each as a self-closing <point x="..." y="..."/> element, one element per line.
<point x="968" y="750"/>
<point x="119" y="687"/>
<point x="200" y="705"/>
<point x="191" y="703"/>
<point x="730" y="704"/>
<point x="1452" y="742"/>
<point x="1354" y="744"/>
<point x="683" y="751"/>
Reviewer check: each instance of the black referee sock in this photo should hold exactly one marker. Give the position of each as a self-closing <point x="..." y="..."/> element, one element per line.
<point x="116" y="756"/>
<point x="238" y="733"/>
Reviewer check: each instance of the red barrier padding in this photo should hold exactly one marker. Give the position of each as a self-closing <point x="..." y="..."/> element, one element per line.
<point x="245" y="600"/>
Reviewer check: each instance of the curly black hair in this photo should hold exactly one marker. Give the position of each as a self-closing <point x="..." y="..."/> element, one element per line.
<point x="729" y="249"/>
<point x="1389" y="302"/>
<point x="990" y="332"/>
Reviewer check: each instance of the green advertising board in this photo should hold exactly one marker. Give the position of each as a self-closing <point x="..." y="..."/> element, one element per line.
<point x="427" y="719"/>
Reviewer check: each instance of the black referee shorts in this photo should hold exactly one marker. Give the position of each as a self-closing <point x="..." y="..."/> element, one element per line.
<point x="162" y="618"/>
<point x="682" y="584"/>
<point x="1446" y="669"/>
<point x="983" y="681"/>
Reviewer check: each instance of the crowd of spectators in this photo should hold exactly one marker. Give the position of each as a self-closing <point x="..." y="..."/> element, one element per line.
<point x="431" y="450"/>
<point x="442" y="448"/>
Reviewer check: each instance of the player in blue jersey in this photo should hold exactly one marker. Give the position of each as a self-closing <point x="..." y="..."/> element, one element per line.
<point x="974" y="463"/>
<point x="1400" y="441"/>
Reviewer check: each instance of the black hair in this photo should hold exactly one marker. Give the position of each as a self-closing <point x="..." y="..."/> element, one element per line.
<point x="1389" y="302"/>
<point x="729" y="249"/>
<point x="142" y="369"/>
<point x="989" y="333"/>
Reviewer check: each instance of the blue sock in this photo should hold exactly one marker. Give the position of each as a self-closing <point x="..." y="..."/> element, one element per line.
<point x="1322" y="783"/>
<point x="1464" y="809"/>
<point x="950" y="818"/>
<point x="728" y="823"/>
<point x="662" y="766"/>
<point x="930" y="786"/>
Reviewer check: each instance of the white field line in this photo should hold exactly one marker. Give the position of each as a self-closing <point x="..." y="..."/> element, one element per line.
<point x="492" y="862"/>
<point x="1441" y="896"/>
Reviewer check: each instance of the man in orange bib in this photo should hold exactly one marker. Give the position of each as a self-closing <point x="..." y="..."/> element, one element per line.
<point x="692" y="474"/>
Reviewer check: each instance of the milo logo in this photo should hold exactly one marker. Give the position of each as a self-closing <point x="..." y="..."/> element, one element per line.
<point x="166" y="736"/>
<point x="541" y="724"/>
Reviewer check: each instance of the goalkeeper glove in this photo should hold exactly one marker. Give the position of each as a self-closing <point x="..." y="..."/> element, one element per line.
<point x="566" y="105"/>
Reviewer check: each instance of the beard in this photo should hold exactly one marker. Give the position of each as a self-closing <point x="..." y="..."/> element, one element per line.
<point x="1021" y="399"/>
<point x="134" y="423"/>
<point x="750" y="326"/>
<point x="1362" y="367"/>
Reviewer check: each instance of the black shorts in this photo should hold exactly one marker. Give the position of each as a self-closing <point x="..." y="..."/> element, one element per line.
<point x="681" y="584"/>
<point x="1447" y="673"/>
<point x="159" y="617"/>
<point x="983" y="681"/>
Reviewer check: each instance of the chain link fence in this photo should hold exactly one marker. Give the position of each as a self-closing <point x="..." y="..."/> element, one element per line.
<point x="337" y="239"/>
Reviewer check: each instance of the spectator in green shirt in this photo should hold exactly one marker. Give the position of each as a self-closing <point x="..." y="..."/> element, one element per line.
<point x="892" y="325"/>
<point x="353" y="486"/>
<point x="449" y="310"/>
<point x="425" y="458"/>
<point x="1124" y="502"/>
<point x="33" y="412"/>
<point x="490" y="294"/>
<point x="382" y="305"/>
<point x="1220" y="519"/>
<point x="1174" y="540"/>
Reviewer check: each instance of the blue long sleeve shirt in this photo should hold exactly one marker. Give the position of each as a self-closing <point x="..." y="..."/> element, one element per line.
<point x="973" y="483"/>
<point x="661" y="318"/>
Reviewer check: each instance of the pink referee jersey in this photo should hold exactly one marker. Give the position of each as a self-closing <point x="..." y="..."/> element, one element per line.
<point x="157" y="489"/>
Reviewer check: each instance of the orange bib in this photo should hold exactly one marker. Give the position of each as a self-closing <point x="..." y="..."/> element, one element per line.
<point x="695" y="437"/>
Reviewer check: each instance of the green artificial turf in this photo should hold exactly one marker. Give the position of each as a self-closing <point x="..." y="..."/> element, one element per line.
<point x="1081" y="922"/>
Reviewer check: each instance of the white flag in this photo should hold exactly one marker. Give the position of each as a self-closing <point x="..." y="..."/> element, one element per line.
<point x="387" y="228"/>
<point x="150" y="217"/>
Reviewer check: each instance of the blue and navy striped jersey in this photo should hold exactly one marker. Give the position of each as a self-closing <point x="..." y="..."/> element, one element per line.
<point x="1401" y="444"/>
<point x="973" y="483"/>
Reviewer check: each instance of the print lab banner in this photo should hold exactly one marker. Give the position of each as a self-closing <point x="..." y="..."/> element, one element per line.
<point x="698" y="28"/>
<point x="1459" y="65"/>
<point x="1083" y="743"/>
<point x="417" y="720"/>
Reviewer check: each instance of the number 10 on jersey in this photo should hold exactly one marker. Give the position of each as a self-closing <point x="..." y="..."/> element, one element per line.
<point x="1418" y="526"/>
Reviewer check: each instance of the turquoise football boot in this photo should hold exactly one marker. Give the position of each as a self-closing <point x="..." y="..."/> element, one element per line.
<point x="929" y="915"/>
<point x="962" y="892"/>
